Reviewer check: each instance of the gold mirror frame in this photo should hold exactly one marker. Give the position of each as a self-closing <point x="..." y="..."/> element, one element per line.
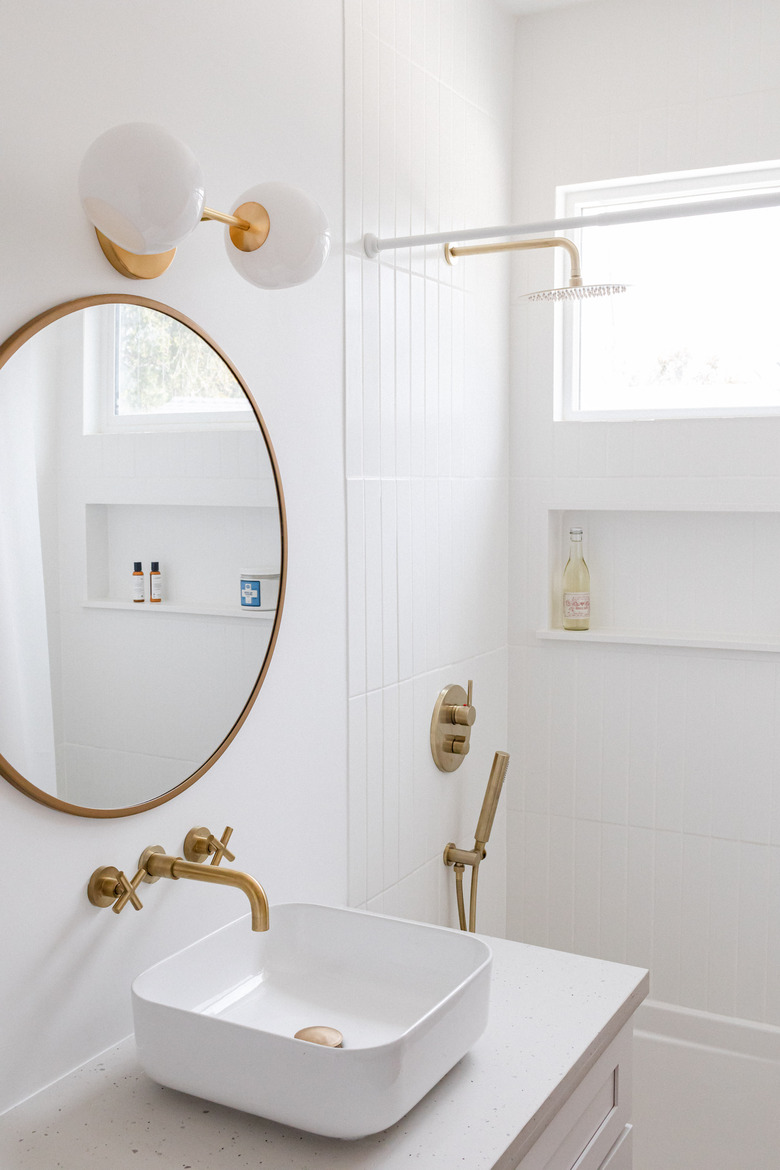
<point x="7" y="349"/>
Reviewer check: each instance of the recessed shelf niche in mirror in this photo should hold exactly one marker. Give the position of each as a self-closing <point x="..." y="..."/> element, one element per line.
<point x="205" y="549"/>
<point x="107" y="706"/>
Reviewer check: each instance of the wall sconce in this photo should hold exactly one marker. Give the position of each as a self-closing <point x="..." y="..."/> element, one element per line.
<point x="143" y="191"/>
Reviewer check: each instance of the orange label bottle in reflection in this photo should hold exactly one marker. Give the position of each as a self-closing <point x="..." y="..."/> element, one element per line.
<point x="138" y="582"/>
<point x="155" y="582"/>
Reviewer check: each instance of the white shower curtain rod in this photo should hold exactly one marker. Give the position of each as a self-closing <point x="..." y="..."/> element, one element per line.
<point x="373" y="245"/>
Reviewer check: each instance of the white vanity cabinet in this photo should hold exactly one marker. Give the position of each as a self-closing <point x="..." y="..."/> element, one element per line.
<point x="592" y="1130"/>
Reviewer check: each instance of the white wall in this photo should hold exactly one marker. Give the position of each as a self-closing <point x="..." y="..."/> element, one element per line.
<point x="253" y="105"/>
<point x="428" y="133"/>
<point x="26" y="716"/>
<point x="645" y="827"/>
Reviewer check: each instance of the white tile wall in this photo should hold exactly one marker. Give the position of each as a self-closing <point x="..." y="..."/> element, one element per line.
<point x="644" y="819"/>
<point x="428" y="112"/>
<point x="652" y="836"/>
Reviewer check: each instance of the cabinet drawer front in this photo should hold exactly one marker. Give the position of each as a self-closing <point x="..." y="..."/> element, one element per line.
<point x="619" y="1157"/>
<point x="588" y="1126"/>
<point x="572" y="1153"/>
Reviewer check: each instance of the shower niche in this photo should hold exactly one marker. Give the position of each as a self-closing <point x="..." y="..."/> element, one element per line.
<point x="671" y="578"/>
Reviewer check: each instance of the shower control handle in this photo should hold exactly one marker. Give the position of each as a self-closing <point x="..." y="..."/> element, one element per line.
<point x="453" y="708"/>
<point x="463" y="713"/>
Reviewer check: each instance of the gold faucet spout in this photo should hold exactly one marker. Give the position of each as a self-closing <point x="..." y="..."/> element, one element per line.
<point x="159" y="865"/>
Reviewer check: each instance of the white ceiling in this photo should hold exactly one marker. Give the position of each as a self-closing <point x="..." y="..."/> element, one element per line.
<point x="522" y="7"/>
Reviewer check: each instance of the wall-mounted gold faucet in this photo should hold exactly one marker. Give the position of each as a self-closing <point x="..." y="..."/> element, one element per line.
<point x="460" y="858"/>
<point x="109" y="886"/>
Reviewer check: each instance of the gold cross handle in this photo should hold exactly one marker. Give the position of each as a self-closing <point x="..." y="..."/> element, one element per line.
<point x="128" y="893"/>
<point x="108" y="886"/>
<point x="201" y="843"/>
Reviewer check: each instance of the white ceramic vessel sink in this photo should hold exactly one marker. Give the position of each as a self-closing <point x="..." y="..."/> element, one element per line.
<point x="218" y="1019"/>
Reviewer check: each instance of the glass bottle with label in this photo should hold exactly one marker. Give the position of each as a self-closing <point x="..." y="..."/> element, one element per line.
<point x="576" y="586"/>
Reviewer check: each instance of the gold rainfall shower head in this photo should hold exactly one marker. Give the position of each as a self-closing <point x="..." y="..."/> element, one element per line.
<point x="575" y="290"/>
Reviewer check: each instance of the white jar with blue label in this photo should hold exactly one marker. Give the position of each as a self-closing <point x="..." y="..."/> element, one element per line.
<point x="259" y="590"/>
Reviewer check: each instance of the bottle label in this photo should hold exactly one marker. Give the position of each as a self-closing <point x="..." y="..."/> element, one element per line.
<point x="155" y="587"/>
<point x="576" y="606"/>
<point x="138" y="587"/>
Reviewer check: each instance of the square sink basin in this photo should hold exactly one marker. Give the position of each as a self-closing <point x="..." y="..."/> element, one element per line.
<point x="218" y="1019"/>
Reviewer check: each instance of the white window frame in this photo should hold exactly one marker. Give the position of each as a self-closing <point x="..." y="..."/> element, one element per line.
<point x="100" y="385"/>
<point x="643" y="191"/>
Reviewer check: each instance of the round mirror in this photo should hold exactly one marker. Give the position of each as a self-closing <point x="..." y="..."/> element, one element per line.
<point x="142" y="555"/>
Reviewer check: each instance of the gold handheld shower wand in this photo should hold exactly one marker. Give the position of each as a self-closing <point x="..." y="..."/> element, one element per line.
<point x="460" y="858"/>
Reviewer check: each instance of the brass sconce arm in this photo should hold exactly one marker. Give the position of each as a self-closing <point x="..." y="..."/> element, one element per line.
<point x="249" y="225"/>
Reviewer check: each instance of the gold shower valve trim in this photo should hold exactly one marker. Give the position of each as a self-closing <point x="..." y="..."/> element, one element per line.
<point x="451" y="723"/>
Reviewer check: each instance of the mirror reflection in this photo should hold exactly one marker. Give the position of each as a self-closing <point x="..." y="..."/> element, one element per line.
<point x="127" y="438"/>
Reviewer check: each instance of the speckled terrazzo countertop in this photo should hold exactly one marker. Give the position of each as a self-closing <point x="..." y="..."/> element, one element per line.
<point x="551" y="1016"/>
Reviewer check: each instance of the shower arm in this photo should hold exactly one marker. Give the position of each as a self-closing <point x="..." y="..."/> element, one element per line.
<point x="575" y="279"/>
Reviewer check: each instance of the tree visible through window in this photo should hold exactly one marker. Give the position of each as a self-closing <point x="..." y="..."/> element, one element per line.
<point x="162" y="367"/>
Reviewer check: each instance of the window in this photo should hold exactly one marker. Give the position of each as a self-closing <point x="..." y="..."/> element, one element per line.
<point x="696" y="334"/>
<point x="147" y="371"/>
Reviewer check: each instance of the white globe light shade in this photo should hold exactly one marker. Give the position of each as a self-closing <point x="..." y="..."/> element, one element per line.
<point x="298" y="239"/>
<point x="142" y="188"/>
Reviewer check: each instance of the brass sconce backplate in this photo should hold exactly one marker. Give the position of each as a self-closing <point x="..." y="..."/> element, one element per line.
<point x="453" y="718"/>
<point x="134" y="266"/>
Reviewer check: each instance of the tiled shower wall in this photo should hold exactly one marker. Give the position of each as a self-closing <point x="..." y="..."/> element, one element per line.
<point x="646" y="824"/>
<point x="427" y="141"/>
